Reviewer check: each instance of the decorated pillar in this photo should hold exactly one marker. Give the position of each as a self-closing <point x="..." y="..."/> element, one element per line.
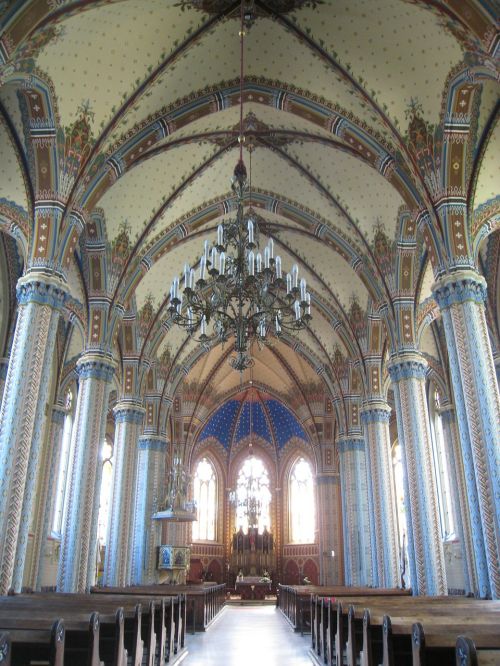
<point x="330" y="528"/>
<point x="356" y="523"/>
<point x="149" y="488"/>
<point x="459" y="495"/>
<point x="118" y="561"/>
<point x="425" y="548"/>
<point x="40" y="299"/>
<point x="79" y="534"/>
<point x="461" y="297"/>
<point x="45" y="503"/>
<point x="375" y="418"/>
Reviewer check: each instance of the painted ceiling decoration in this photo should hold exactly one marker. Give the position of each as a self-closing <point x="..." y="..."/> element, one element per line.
<point x="270" y="421"/>
<point x="375" y="166"/>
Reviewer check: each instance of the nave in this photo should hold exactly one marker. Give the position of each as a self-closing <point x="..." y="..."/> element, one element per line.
<point x="249" y="303"/>
<point x="248" y="635"/>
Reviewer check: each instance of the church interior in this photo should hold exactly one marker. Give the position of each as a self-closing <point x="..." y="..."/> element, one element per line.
<point x="250" y="296"/>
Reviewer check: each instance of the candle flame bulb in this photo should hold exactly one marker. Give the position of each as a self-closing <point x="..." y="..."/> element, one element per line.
<point x="251" y="263"/>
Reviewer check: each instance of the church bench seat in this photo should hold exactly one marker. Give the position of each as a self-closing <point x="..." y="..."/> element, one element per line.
<point x="44" y="645"/>
<point x="346" y="632"/>
<point x="5" y="649"/>
<point x="203" y="602"/>
<point x="175" y="608"/>
<point x="407" y="642"/>
<point x="166" y="629"/>
<point x="87" y="641"/>
<point x="73" y="643"/>
<point x="294" y="601"/>
<point x="467" y="654"/>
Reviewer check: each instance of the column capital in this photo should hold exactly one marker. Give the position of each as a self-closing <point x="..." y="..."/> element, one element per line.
<point x="375" y="412"/>
<point x="43" y="289"/>
<point x="351" y="444"/>
<point x="96" y="365"/>
<point x="58" y="414"/>
<point x="129" y="411"/>
<point x="152" y="443"/>
<point x="458" y="287"/>
<point x="447" y="413"/>
<point x="407" y="366"/>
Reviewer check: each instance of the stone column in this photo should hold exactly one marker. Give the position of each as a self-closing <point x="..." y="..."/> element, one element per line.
<point x="40" y="299"/>
<point x="375" y="418"/>
<point x="425" y="548"/>
<point x="356" y="522"/>
<point x="149" y="487"/>
<point x="461" y="297"/>
<point x="45" y="503"/>
<point x="329" y="527"/>
<point x="459" y="495"/>
<point x="79" y="533"/>
<point x="117" y="564"/>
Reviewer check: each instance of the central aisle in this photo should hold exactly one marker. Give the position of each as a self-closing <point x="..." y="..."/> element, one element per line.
<point x="248" y="635"/>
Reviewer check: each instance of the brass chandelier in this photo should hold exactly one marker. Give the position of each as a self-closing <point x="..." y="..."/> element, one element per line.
<point x="237" y="290"/>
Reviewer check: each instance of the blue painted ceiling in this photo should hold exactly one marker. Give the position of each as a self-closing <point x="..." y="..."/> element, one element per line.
<point x="270" y="420"/>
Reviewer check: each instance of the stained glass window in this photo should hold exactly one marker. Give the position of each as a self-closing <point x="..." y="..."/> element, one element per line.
<point x="205" y="496"/>
<point x="253" y="496"/>
<point x="62" y="471"/>
<point x="105" y="497"/>
<point x="301" y="501"/>
<point x="441" y="467"/>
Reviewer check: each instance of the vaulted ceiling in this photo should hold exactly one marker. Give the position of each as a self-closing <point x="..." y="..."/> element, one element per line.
<point x="148" y="92"/>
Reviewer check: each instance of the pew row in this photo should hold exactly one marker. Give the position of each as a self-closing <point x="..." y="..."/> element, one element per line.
<point x="294" y="601"/>
<point x="397" y="632"/>
<point x="203" y="602"/>
<point x="133" y="629"/>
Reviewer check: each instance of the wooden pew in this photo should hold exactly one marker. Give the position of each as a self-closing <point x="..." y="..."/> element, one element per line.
<point x="364" y="638"/>
<point x="175" y="610"/>
<point x="71" y="642"/>
<point x="39" y="644"/>
<point x="294" y="601"/>
<point x="203" y="602"/>
<point x="466" y="654"/>
<point x="117" y="629"/>
<point x="5" y="650"/>
<point x="401" y="639"/>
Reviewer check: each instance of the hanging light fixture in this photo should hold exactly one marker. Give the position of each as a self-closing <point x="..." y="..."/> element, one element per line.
<point x="237" y="290"/>
<point x="248" y="494"/>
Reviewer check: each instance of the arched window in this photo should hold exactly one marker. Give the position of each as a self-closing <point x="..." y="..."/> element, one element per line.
<point x="397" y="465"/>
<point x="62" y="470"/>
<point x="301" y="503"/>
<point x="205" y="496"/>
<point x="441" y="470"/>
<point x="253" y="496"/>
<point x="105" y="496"/>
<point x="399" y="492"/>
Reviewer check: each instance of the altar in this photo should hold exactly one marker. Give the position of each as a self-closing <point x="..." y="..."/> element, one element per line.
<point x="252" y="554"/>
<point x="252" y="587"/>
